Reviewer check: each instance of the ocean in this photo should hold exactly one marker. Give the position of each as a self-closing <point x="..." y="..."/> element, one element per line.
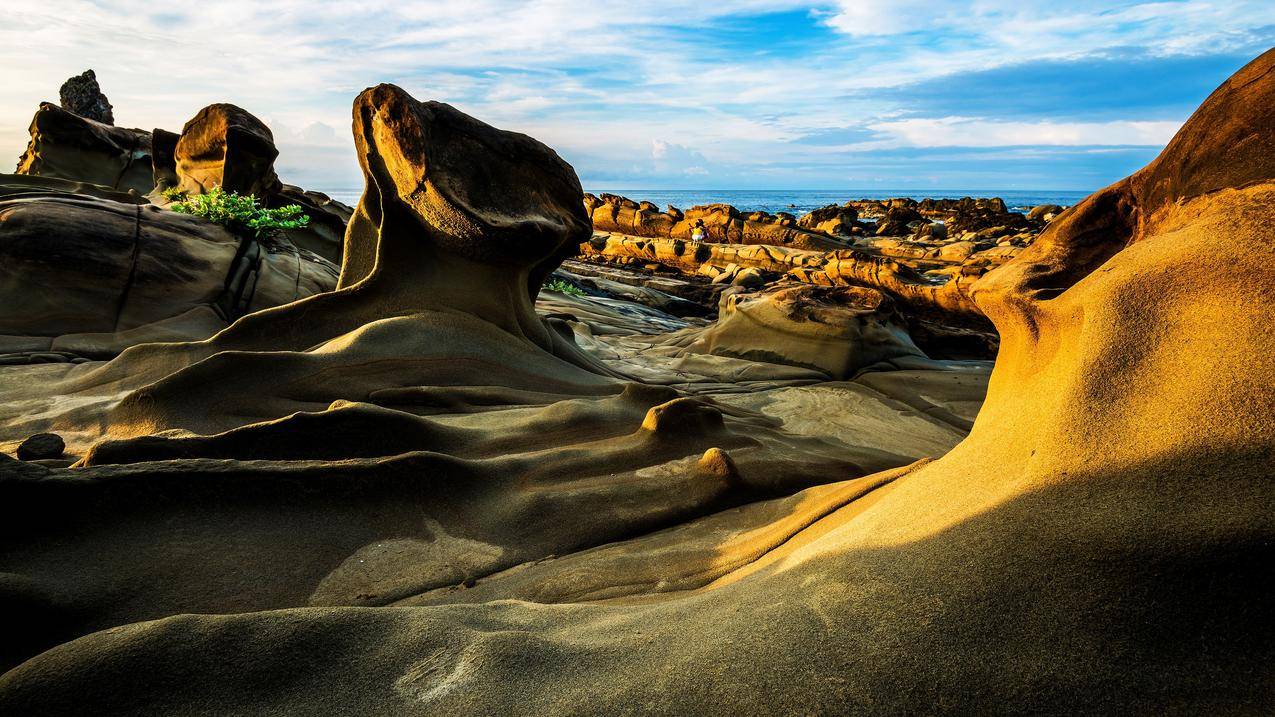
<point x="800" y="201"/>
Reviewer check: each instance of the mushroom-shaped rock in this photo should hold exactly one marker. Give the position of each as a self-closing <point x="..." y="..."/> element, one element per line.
<point x="224" y="145"/>
<point x="445" y="189"/>
<point x="456" y="228"/>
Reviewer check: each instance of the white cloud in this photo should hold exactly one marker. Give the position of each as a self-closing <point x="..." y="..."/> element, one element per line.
<point x="974" y="132"/>
<point x="593" y="78"/>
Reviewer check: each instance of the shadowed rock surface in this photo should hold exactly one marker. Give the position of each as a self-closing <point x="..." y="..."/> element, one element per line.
<point x="88" y="276"/>
<point x="65" y="145"/>
<point x="561" y="541"/>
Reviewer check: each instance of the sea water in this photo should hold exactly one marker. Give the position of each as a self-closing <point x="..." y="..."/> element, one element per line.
<point x="800" y="201"/>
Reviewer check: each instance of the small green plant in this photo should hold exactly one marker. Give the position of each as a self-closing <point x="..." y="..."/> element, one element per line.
<point x="238" y="213"/>
<point x="173" y="194"/>
<point x="563" y="287"/>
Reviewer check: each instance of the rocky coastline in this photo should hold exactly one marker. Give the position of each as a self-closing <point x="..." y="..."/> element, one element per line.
<point x="486" y="444"/>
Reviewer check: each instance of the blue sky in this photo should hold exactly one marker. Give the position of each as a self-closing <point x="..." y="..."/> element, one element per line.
<point x="984" y="94"/>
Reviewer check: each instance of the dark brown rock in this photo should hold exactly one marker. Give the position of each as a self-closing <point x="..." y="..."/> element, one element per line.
<point x="82" y="95"/>
<point x="164" y="158"/>
<point x="41" y="446"/>
<point x="65" y="145"/>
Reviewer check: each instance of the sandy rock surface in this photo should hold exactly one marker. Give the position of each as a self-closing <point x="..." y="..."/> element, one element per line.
<point x="439" y="490"/>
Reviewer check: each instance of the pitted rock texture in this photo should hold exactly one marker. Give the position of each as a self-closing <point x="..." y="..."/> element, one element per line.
<point x="83" y="96"/>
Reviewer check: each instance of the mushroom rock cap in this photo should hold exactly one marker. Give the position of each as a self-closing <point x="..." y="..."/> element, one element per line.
<point x="477" y="192"/>
<point x="224" y="145"/>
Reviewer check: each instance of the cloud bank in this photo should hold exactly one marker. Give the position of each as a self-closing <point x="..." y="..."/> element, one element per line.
<point x="756" y="93"/>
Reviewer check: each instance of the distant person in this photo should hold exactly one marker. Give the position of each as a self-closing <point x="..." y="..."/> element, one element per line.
<point x="697" y="232"/>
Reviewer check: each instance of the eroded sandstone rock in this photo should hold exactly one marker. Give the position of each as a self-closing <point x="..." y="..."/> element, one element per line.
<point x="67" y="146"/>
<point x="722" y="223"/>
<point x="1100" y="543"/>
<point x="90" y="276"/>
<point x="226" y="146"/>
<point x="837" y="330"/>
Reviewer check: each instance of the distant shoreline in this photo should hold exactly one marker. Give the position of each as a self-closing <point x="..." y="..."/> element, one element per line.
<point x="803" y="200"/>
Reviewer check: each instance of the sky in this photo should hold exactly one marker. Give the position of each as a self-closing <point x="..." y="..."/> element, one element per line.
<point x="761" y="94"/>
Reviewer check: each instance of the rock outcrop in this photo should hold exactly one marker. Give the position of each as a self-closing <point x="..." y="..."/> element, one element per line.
<point x="945" y="301"/>
<point x="222" y="145"/>
<point x="837" y="330"/>
<point x="90" y="276"/>
<point x="834" y="220"/>
<point x="722" y="223"/>
<point x="1100" y="543"/>
<point x="442" y="397"/>
<point x="81" y="95"/>
<point x="65" y="145"/>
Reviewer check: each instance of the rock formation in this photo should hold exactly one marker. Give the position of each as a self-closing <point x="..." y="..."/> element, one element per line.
<point x="225" y="146"/>
<point x="833" y="220"/>
<point x="65" y="145"/>
<point x="836" y="330"/>
<point x="81" y="95"/>
<point x="402" y="369"/>
<point x="552" y="540"/>
<point x="945" y="301"/>
<point x="127" y="272"/>
<point x="722" y="224"/>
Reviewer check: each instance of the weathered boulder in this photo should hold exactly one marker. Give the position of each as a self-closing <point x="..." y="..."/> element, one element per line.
<point x="833" y="219"/>
<point x="932" y="231"/>
<point x="1044" y="212"/>
<point x="226" y="146"/>
<point x="41" y="446"/>
<point x="836" y="330"/>
<point x="898" y="220"/>
<point x="82" y="95"/>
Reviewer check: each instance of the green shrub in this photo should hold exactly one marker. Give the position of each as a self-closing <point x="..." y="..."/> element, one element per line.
<point x="173" y="194"/>
<point x="563" y="287"/>
<point x="239" y="214"/>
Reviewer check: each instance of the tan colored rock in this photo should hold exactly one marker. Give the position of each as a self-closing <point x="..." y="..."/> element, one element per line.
<point x="722" y="223"/>
<point x="1100" y="543"/>
<point x="837" y="330"/>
